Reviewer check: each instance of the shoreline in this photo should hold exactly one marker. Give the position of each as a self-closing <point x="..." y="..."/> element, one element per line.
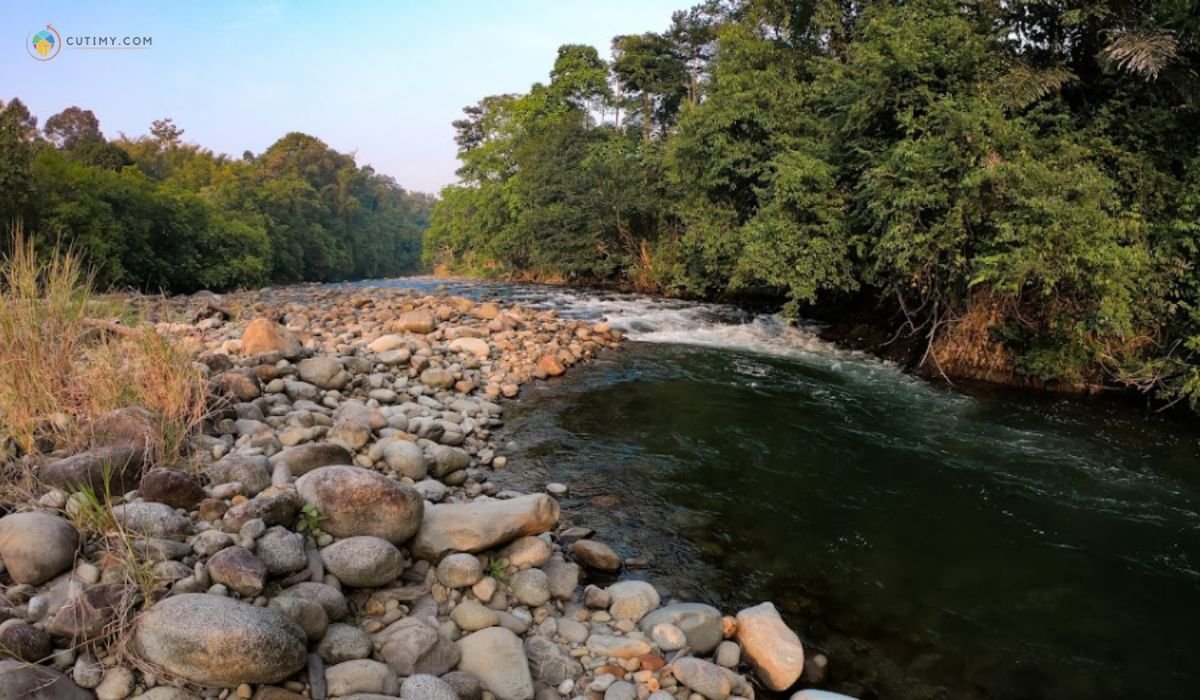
<point x="346" y="474"/>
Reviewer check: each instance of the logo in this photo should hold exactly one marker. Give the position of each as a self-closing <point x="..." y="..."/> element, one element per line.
<point x="45" y="44"/>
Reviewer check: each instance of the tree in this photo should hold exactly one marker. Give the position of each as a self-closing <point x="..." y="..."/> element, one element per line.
<point x="165" y="131"/>
<point x="648" y="67"/>
<point x="72" y="127"/>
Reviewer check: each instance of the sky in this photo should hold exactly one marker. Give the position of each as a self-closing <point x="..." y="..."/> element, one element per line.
<point x="379" y="79"/>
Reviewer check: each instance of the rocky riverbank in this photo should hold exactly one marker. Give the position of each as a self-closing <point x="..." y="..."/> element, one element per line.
<point x="333" y="531"/>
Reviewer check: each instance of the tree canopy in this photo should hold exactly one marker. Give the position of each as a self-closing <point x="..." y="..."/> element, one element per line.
<point x="1013" y="183"/>
<point x="159" y="214"/>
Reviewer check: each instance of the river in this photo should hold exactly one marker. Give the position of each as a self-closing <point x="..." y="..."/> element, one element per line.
<point x="934" y="541"/>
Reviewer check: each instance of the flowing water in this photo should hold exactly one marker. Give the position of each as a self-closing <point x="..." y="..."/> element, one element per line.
<point x="936" y="542"/>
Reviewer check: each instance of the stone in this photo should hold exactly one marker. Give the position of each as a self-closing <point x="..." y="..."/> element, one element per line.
<point x="85" y="615"/>
<point x="264" y="336"/>
<point x="426" y="687"/>
<point x="596" y="556"/>
<point x="253" y="472"/>
<point x="728" y="654"/>
<point x="24" y="642"/>
<point x="770" y="647"/>
<point x="549" y="662"/>
<point x="323" y="372"/>
<point x="344" y="643"/>
<point x="459" y="570"/>
<point x="527" y="552"/>
<point x="152" y="520"/>
<point x="358" y="501"/>
<point x="699" y="622"/>
<point x="388" y="343"/>
<point x="281" y="551"/>
<point x="813" y="694"/>
<point x="406" y="459"/>
<point x="474" y="346"/>
<point x="621" y="690"/>
<point x="447" y="460"/>
<point x="418" y="321"/>
<point x="707" y="679"/>
<point x="361" y="676"/>
<point x="632" y="600"/>
<point x="327" y="596"/>
<point x="467" y="686"/>
<point x="23" y="681"/>
<point x="437" y="378"/>
<point x="309" y="614"/>
<point x="117" y="684"/>
<point x="172" y="487"/>
<point x="219" y="642"/>
<point x="302" y="459"/>
<point x="668" y="637"/>
<point x="412" y="647"/>
<point x="551" y="365"/>
<point x="363" y="561"/>
<point x="531" y="587"/>
<point x="239" y="570"/>
<point x="497" y="658"/>
<point x="608" y="645"/>
<point x="482" y="525"/>
<point x="240" y="384"/>
<point x="107" y="471"/>
<point x="275" y="509"/>
<point x="35" y="546"/>
<point x="471" y="616"/>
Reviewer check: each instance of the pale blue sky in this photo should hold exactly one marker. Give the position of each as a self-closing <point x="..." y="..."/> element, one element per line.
<point x="383" y="79"/>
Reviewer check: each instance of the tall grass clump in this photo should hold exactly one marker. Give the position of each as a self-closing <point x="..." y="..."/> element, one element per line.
<point x="60" y="368"/>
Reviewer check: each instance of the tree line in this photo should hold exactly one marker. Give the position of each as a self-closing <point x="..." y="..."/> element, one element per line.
<point x="1013" y="183"/>
<point x="156" y="213"/>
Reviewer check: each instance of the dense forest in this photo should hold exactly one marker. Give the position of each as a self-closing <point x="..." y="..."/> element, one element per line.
<point x="1014" y="185"/>
<point x="158" y="214"/>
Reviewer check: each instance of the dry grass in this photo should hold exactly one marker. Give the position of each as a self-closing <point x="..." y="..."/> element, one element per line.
<point x="60" y="367"/>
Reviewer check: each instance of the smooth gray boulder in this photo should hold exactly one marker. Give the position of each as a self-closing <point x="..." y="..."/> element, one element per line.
<point x="482" y="525"/>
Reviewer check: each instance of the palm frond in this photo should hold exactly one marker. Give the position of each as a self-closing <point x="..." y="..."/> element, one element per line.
<point x="1023" y="85"/>
<point x="1142" y="52"/>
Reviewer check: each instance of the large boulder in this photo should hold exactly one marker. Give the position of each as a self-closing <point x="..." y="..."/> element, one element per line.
<point x="219" y="642"/>
<point x="263" y="336"/>
<point x="107" y="471"/>
<point x="497" y="658"/>
<point x="364" y="561"/>
<point x="36" y="547"/>
<point x="482" y="525"/>
<point x="358" y="501"/>
<point x="302" y="459"/>
<point x="770" y="646"/>
<point x="700" y="623"/>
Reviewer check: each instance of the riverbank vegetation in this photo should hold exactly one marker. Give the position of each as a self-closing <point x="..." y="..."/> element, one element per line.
<point x="1016" y="186"/>
<point x="156" y="213"/>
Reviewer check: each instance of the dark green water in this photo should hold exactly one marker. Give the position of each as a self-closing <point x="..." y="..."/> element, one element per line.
<point x="935" y="542"/>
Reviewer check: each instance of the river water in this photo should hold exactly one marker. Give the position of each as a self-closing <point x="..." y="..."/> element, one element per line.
<point x="935" y="542"/>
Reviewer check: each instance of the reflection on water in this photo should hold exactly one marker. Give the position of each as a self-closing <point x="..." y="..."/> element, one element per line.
<point x="936" y="543"/>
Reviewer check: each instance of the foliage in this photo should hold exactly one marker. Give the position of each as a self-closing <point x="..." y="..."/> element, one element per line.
<point x="1033" y="164"/>
<point x="157" y="214"/>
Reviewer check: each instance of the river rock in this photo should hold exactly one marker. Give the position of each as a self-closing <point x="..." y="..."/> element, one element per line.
<point x="813" y="694"/>
<point x="24" y="681"/>
<point x="275" y="509"/>
<point x="418" y="321"/>
<point x="612" y="646"/>
<point x="361" y="676"/>
<point x="358" y="501"/>
<point x="482" y="525"/>
<point x="426" y="687"/>
<point x="447" y="460"/>
<point x="497" y="658"/>
<point x="411" y="646"/>
<point x="474" y="346"/>
<point x="388" y="343"/>
<point x="470" y="616"/>
<point x="172" y="487"/>
<point x="437" y="378"/>
<point x="770" y="646"/>
<point x="459" y="570"/>
<point x="700" y="623"/>
<point x="37" y="546"/>
<point x="327" y="596"/>
<point x="302" y="459"/>
<point x="107" y="471"/>
<point x="309" y="614"/>
<point x="563" y="577"/>
<point x="117" y="684"/>
<point x="264" y="336"/>
<point x="281" y="551"/>
<point x="527" y="552"/>
<point x="363" y="561"/>
<point x="152" y="520"/>
<point x="344" y="643"/>
<point x="668" y="637"/>
<point x="23" y="641"/>
<point x="219" y="642"/>
<point x="239" y="570"/>
<point x="253" y="472"/>
<point x="632" y="600"/>
<point x="596" y="555"/>
<point x="531" y="587"/>
<point x="707" y="679"/>
<point x="324" y="372"/>
<point x="406" y="459"/>
<point x="467" y="686"/>
<point x="549" y="662"/>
